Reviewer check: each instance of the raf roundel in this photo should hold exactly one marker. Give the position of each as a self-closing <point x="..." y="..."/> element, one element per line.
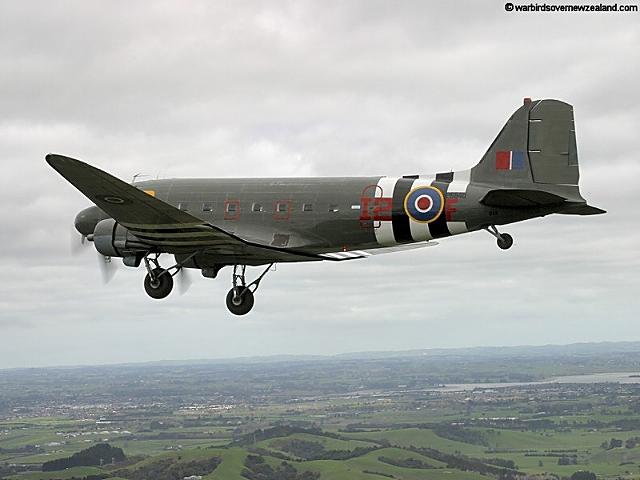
<point x="424" y="204"/>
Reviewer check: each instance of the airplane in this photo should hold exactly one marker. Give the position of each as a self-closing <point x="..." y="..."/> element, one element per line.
<point x="530" y="170"/>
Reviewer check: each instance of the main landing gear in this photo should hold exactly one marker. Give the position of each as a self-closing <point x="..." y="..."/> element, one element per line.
<point x="504" y="240"/>
<point x="240" y="297"/>
<point x="158" y="282"/>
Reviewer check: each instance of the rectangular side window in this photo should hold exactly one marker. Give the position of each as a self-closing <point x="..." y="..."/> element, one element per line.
<point x="282" y="210"/>
<point x="307" y="207"/>
<point x="231" y="209"/>
<point x="257" y="207"/>
<point x="183" y="206"/>
<point x="334" y="208"/>
<point x="207" y="207"/>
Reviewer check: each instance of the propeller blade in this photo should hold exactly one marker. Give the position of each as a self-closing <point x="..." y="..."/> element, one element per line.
<point x="184" y="281"/>
<point x="107" y="268"/>
<point x="77" y="242"/>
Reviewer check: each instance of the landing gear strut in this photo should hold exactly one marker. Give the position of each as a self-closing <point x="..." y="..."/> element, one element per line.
<point x="504" y="240"/>
<point x="240" y="297"/>
<point x="158" y="282"/>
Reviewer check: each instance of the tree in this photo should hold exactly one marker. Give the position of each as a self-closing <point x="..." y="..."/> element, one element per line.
<point x="583" y="475"/>
<point x="95" y="455"/>
<point x="615" y="443"/>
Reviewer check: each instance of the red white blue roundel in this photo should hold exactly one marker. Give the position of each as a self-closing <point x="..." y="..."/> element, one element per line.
<point x="424" y="204"/>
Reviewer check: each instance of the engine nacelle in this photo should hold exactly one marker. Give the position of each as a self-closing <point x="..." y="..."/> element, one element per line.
<point x="113" y="240"/>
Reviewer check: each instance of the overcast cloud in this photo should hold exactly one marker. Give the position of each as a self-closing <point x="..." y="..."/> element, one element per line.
<point x="232" y="89"/>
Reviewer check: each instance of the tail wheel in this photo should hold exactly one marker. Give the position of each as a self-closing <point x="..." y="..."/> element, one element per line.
<point x="505" y="241"/>
<point x="240" y="300"/>
<point x="161" y="286"/>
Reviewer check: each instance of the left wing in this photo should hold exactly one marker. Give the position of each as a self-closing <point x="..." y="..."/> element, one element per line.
<point x="159" y="224"/>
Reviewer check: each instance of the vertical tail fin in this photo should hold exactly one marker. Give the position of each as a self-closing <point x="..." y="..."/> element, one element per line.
<point x="536" y="150"/>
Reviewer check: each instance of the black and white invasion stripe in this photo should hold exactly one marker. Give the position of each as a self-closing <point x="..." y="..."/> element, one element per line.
<point x="401" y="228"/>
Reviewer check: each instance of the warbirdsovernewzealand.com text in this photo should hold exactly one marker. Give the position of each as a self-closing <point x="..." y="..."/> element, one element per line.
<point x="546" y="7"/>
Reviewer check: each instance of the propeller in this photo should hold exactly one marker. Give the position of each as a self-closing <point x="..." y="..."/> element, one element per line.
<point x="184" y="281"/>
<point x="77" y="242"/>
<point x="107" y="268"/>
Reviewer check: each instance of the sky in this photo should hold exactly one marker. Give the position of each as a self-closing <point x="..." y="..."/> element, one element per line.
<point x="305" y="88"/>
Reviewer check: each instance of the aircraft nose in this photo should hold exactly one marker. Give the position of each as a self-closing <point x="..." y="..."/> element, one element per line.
<point x="87" y="219"/>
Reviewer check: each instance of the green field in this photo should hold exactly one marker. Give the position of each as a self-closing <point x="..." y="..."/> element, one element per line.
<point x="525" y="449"/>
<point x="388" y="418"/>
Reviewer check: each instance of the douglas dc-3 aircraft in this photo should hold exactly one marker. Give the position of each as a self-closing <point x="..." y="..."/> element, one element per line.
<point x="530" y="170"/>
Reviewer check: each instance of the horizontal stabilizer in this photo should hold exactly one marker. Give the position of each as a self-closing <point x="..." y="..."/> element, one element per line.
<point x="581" y="209"/>
<point x="520" y="198"/>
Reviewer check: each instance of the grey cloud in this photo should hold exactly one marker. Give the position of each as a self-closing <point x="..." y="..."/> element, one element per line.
<point x="310" y="88"/>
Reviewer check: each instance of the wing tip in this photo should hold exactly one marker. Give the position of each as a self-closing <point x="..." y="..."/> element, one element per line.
<point x="54" y="159"/>
<point x="58" y="162"/>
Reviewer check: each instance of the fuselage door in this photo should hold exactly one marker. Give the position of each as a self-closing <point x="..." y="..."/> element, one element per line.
<point x="374" y="207"/>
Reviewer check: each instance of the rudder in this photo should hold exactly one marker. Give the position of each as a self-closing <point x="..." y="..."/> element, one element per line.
<point x="552" y="143"/>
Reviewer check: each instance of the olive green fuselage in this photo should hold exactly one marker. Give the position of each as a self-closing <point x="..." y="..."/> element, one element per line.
<point x="319" y="215"/>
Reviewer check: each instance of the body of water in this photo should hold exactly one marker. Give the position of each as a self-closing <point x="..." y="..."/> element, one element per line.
<point x="614" y="377"/>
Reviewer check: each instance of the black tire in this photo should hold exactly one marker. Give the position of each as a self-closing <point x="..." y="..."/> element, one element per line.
<point x="161" y="287"/>
<point x="505" y="241"/>
<point x="242" y="304"/>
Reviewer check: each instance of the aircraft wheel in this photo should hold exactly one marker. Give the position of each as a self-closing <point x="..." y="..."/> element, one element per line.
<point x="505" y="241"/>
<point x="240" y="304"/>
<point x="162" y="285"/>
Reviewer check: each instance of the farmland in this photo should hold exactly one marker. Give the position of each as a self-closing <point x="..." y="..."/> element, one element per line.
<point x="410" y="415"/>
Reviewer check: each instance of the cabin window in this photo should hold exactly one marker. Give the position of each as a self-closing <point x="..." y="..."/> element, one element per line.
<point x="282" y="210"/>
<point x="307" y="207"/>
<point x="207" y="207"/>
<point x="257" y="207"/>
<point x="334" y="208"/>
<point x="183" y="206"/>
<point x="231" y="209"/>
